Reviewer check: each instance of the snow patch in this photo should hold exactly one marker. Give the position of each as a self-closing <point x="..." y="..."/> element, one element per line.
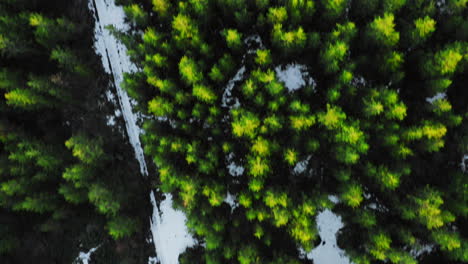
<point x="464" y="163"/>
<point x="359" y="81"/>
<point x="169" y="231"/>
<point x="111" y="97"/>
<point x="85" y="257"/>
<point x="293" y="76"/>
<point x="421" y="250"/>
<point x="111" y="120"/>
<point x="116" y="61"/>
<point x="227" y="95"/>
<point x="328" y="251"/>
<point x="235" y="170"/>
<point x="231" y="200"/>
<point x="334" y="199"/>
<point x="436" y="97"/>
<point x="254" y="40"/>
<point x="301" y="166"/>
<point x="152" y="260"/>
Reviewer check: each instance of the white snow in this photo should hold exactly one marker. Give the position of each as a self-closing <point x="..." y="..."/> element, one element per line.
<point x="111" y="120"/>
<point x="436" y="97"/>
<point x="111" y="97"/>
<point x="228" y="89"/>
<point x="421" y="250"/>
<point x="301" y="166"/>
<point x="254" y="38"/>
<point x="328" y="251"/>
<point x="235" y="170"/>
<point x="116" y="62"/>
<point x="170" y="235"/>
<point x="293" y="76"/>
<point x="359" y="81"/>
<point x="334" y="199"/>
<point x="152" y="260"/>
<point x="464" y="162"/>
<point x="251" y="40"/>
<point x="231" y="200"/>
<point x="85" y="257"/>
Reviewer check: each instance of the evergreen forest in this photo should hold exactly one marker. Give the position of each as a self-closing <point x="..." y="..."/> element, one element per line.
<point x="256" y="116"/>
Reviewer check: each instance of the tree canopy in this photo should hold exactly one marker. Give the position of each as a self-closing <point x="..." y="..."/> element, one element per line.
<point x="61" y="169"/>
<point x="379" y="122"/>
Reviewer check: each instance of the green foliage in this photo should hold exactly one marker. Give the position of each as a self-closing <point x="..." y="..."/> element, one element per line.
<point x="352" y="196"/>
<point x="263" y="57"/>
<point x="424" y="27"/>
<point x="189" y="71"/>
<point x="185" y="31"/>
<point x="160" y="107"/>
<point x="277" y="15"/>
<point x="204" y="94"/>
<point x="446" y="61"/>
<point x="334" y="8"/>
<point x="161" y="7"/>
<point x="69" y="61"/>
<point x="86" y="150"/>
<point x="136" y="14"/>
<point x="49" y="32"/>
<point x="72" y="194"/>
<point x="332" y="118"/>
<point x="245" y="124"/>
<point x="78" y="175"/>
<point x="26" y="99"/>
<point x="333" y="55"/>
<point x="104" y="200"/>
<point x="382" y="30"/>
<point x="121" y="227"/>
<point x="233" y="38"/>
<point x="288" y="41"/>
<point x="50" y="89"/>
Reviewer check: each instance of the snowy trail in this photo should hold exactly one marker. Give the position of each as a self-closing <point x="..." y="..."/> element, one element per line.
<point x="170" y="235"/>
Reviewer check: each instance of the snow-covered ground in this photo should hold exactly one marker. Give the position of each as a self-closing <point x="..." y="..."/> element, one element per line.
<point x="294" y="76"/>
<point x="328" y="251"/>
<point x="464" y="163"/>
<point x="436" y="97"/>
<point x="228" y="89"/>
<point x="170" y="235"/>
<point x="85" y="257"/>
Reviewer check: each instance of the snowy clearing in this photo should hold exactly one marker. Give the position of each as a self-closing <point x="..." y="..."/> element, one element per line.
<point x="170" y="235"/>
<point x="293" y="76"/>
<point x="328" y="251"/>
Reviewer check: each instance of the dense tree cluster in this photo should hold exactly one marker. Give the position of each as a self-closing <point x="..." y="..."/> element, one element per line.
<point x="61" y="169"/>
<point x="380" y="123"/>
